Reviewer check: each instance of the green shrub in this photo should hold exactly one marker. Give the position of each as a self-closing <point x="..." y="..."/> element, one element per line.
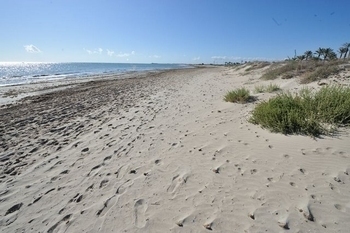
<point x="309" y="70"/>
<point x="269" y="88"/>
<point x="274" y="73"/>
<point x="321" y="73"/>
<point x="259" y="89"/>
<point x="305" y="113"/>
<point x="332" y="104"/>
<point x="285" y="114"/>
<point x="272" y="88"/>
<point x="240" y="95"/>
<point x="258" y="65"/>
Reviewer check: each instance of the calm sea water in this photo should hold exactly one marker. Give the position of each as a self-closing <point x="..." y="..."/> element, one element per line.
<point x="14" y="73"/>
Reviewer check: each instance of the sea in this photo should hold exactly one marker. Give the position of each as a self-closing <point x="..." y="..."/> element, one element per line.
<point x="16" y="73"/>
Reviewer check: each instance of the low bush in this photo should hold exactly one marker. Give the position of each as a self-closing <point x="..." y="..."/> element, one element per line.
<point x="258" y="65"/>
<point x="274" y="73"/>
<point x="259" y="89"/>
<point x="332" y="104"/>
<point x="240" y="95"/>
<point x="306" y="113"/>
<point x="269" y="88"/>
<point x="321" y="72"/>
<point x="272" y="88"/>
<point x="309" y="70"/>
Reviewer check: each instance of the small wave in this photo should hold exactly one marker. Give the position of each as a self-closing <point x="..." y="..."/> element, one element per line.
<point x="40" y="75"/>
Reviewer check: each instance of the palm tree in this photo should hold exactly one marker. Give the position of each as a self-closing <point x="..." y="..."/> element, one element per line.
<point x="301" y="58"/>
<point x="308" y="54"/>
<point x="332" y="55"/>
<point x="327" y="53"/>
<point x="342" y="50"/>
<point x="319" y="52"/>
<point x="347" y="47"/>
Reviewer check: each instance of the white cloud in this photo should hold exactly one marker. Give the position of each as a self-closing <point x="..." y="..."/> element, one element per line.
<point x="88" y="51"/>
<point x="123" y="55"/>
<point x="232" y="58"/>
<point x="110" y="53"/>
<point x="32" y="49"/>
<point x="196" y="58"/>
<point x="155" y="56"/>
<point x="219" y="57"/>
<point x="95" y="51"/>
<point x="126" y="54"/>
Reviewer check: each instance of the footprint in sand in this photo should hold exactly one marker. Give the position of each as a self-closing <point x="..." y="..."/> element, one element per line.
<point x="339" y="207"/>
<point x="140" y="208"/>
<point x="111" y="201"/>
<point x="305" y="210"/>
<point x="104" y="183"/>
<point x="14" y="208"/>
<point x="177" y="181"/>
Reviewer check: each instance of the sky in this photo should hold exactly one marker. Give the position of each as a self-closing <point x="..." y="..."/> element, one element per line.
<point x="169" y="31"/>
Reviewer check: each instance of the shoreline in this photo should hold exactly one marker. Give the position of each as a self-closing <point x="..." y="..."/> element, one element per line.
<point x="30" y="73"/>
<point x="163" y="152"/>
<point x="10" y="94"/>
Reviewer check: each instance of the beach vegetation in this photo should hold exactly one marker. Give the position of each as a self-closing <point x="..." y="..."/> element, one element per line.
<point x="272" y="88"/>
<point x="307" y="112"/>
<point x="307" y="70"/>
<point x="257" y="65"/>
<point x="269" y="88"/>
<point x="320" y="73"/>
<point x="342" y="51"/>
<point x="309" y="66"/>
<point x="276" y="71"/>
<point x="239" y="95"/>
<point x="346" y="47"/>
<point x="259" y="89"/>
<point x="308" y="55"/>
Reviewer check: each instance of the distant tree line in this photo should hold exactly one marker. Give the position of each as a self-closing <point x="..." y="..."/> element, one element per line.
<point x="232" y="63"/>
<point x="325" y="54"/>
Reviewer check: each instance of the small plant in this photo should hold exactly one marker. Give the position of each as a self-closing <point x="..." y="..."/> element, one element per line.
<point x="259" y="89"/>
<point x="269" y="88"/>
<point x="285" y="114"/>
<point x="240" y="95"/>
<point x="321" y="73"/>
<point x="272" y="88"/>
<point x="309" y="70"/>
<point x="332" y="105"/>
<point x="274" y="73"/>
<point x="257" y="65"/>
<point x="309" y="113"/>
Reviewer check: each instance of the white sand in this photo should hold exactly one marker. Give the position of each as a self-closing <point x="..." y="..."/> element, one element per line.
<point x="166" y="154"/>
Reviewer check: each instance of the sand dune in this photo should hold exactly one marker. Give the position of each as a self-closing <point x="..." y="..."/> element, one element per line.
<point x="162" y="152"/>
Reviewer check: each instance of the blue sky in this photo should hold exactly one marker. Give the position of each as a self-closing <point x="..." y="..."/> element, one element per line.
<point x="169" y="31"/>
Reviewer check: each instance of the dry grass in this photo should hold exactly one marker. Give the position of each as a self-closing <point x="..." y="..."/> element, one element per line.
<point x="257" y="65"/>
<point x="308" y="71"/>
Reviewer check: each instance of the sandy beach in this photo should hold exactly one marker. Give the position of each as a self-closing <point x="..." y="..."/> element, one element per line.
<point x="162" y="152"/>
